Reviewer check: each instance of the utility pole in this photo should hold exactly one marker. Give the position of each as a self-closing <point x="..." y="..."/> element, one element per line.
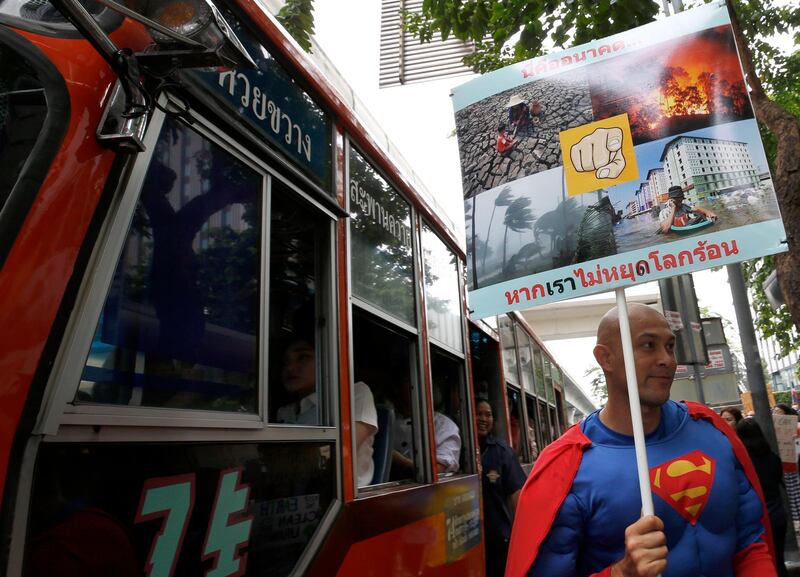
<point x="752" y="360"/>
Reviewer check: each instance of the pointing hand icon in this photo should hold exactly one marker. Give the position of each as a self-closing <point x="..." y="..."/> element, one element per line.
<point x="600" y="151"/>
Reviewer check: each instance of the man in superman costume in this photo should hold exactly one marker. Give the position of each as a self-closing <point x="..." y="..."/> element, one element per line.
<point x="579" y="512"/>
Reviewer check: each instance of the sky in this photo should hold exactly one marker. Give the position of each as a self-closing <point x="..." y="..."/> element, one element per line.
<point x="418" y="119"/>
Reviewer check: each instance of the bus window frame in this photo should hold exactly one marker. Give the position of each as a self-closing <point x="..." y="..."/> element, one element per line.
<point x="416" y="245"/>
<point x="496" y="390"/>
<point x="422" y="465"/>
<point x="521" y="452"/>
<point x="460" y="281"/>
<point x="65" y="377"/>
<point x="467" y="427"/>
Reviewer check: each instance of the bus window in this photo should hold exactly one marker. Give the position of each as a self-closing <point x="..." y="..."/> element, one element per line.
<point x="450" y="413"/>
<point x="296" y="352"/>
<point x="98" y="509"/>
<point x="23" y="109"/>
<point x="180" y="322"/>
<point x="546" y="431"/>
<point x="381" y="258"/>
<point x="558" y="385"/>
<point x="534" y="427"/>
<point x="509" y="349"/>
<point x="485" y="365"/>
<point x="525" y="360"/>
<point x="538" y="367"/>
<point x="515" y="420"/>
<point x="442" y="293"/>
<point x="383" y="362"/>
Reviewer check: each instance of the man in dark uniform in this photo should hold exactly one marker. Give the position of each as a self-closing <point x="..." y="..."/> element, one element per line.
<point x="501" y="480"/>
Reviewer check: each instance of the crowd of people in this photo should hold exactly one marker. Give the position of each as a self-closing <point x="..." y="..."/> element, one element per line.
<point x="717" y="485"/>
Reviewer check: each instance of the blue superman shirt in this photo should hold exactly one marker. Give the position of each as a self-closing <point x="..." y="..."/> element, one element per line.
<point x="710" y="510"/>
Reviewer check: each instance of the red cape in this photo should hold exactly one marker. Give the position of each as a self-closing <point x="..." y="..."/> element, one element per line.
<point x="537" y="508"/>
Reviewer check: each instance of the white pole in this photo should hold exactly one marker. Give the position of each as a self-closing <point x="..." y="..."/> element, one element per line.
<point x="633" y="401"/>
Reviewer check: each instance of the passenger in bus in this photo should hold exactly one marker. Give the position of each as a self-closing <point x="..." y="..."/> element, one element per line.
<point x="299" y="379"/>
<point x="448" y="439"/>
<point x="502" y="479"/>
<point x="576" y="514"/>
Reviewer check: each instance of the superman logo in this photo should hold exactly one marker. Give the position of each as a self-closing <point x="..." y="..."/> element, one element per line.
<point x="685" y="483"/>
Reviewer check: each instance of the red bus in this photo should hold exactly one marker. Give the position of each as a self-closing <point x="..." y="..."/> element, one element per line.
<point x="234" y="335"/>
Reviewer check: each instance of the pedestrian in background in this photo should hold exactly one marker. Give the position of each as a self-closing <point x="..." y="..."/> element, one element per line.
<point x="731" y="415"/>
<point x="770" y="474"/>
<point x="790" y="477"/>
<point x="501" y="481"/>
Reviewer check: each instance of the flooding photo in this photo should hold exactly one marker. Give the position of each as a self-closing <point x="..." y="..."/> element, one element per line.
<point x="530" y="226"/>
<point x="701" y="182"/>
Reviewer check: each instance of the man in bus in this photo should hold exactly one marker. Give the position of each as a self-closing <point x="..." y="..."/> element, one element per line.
<point x="579" y="513"/>
<point x="299" y="379"/>
<point x="446" y="433"/>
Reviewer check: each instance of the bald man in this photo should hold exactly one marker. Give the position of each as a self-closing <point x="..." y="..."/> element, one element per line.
<point x="579" y="512"/>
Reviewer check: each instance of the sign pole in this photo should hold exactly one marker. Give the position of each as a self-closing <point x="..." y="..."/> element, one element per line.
<point x="633" y="400"/>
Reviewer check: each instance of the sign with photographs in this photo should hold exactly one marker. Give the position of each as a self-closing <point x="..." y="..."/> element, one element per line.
<point x="629" y="159"/>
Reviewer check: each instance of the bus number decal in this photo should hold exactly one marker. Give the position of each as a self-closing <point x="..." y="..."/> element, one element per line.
<point x="229" y="529"/>
<point x="173" y="499"/>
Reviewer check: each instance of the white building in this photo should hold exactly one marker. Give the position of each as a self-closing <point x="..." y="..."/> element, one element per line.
<point x="659" y="185"/>
<point x="706" y="167"/>
<point x="780" y="368"/>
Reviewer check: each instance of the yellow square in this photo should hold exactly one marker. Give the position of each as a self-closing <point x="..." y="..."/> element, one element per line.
<point x="598" y="155"/>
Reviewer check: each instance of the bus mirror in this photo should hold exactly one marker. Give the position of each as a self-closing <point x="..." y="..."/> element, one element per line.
<point x="118" y="128"/>
<point x="188" y="34"/>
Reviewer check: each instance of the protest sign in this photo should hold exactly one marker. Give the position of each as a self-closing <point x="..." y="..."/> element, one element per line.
<point x="628" y="159"/>
<point x="786" y="431"/>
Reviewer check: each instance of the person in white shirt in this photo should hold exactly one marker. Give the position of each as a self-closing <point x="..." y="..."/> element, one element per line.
<point x="447" y="437"/>
<point x="299" y="378"/>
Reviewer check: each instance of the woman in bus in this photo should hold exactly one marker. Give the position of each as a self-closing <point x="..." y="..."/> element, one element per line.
<point x="299" y="379"/>
<point x="501" y="481"/>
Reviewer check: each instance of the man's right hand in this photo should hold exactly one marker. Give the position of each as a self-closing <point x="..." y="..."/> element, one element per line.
<point x="645" y="549"/>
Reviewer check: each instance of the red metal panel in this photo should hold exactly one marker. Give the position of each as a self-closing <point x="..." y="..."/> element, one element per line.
<point x="41" y="262"/>
<point x="343" y="309"/>
<point x="400" y="531"/>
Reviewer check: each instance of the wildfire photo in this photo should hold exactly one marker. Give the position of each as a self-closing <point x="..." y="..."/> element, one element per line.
<point x="685" y="84"/>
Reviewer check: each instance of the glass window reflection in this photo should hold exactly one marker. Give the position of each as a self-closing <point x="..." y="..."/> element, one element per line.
<point x="539" y="372"/>
<point x="382" y="267"/>
<point x="180" y="323"/>
<point x="526" y="362"/>
<point x="297" y="241"/>
<point x="509" y="353"/>
<point x="442" y="302"/>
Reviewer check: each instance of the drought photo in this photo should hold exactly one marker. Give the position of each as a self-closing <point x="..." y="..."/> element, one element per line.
<point x="514" y="133"/>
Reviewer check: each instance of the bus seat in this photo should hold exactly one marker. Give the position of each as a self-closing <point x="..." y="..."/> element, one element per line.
<point x="382" y="447"/>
